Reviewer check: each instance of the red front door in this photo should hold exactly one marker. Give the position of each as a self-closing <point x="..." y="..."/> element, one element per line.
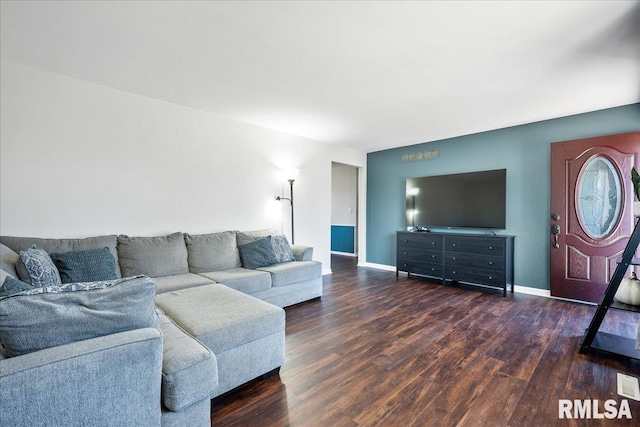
<point x="591" y="212"/>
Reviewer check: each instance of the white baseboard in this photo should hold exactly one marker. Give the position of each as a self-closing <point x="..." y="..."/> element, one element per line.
<point x="532" y="291"/>
<point x="344" y="254"/>
<point x="378" y="266"/>
<point x="326" y="271"/>
<point x="517" y="288"/>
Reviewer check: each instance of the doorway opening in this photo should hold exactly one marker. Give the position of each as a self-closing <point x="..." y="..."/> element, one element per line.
<point x="344" y="215"/>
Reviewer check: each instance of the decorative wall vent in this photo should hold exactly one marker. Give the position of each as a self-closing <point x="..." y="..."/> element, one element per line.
<point x="420" y="155"/>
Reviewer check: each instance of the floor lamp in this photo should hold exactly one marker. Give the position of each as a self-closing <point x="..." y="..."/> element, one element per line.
<point x="291" y="177"/>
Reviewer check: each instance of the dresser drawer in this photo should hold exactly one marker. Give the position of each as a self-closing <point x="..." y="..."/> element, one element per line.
<point x="419" y="254"/>
<point x="485" y="262"/>
<point x="423" y="268"/>
<point x="475" y="245"/>
<point x="420" y="240"/>
<point x="492" y="278"/>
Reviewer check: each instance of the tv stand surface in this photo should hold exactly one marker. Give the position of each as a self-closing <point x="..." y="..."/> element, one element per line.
<point x="472" y="259"/>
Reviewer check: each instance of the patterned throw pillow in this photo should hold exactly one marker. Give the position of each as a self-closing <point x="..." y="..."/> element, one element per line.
<point x="258" y="253"/>
<point x="40" y="268"/>
<point x="46" y="317"/>
<point x="282" y="248"/>
<point x="85" y="266"/>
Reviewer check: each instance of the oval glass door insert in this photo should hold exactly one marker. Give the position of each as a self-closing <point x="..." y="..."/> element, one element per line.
<point x="599" y="197"/>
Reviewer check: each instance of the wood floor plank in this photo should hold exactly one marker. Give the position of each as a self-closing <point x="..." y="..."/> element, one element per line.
<point x="381" y="351"/>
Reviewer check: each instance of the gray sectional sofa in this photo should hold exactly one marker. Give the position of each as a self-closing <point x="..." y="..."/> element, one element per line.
<point x="220" y="325"/>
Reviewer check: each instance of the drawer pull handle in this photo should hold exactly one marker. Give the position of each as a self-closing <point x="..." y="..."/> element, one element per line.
<point x="433" y="256"/>
<point x="433" y="243"/>
<point x="491" y="248"/>
<point x="404" y="253"/>
<point x="453" y="272"/>
<point x="490" y="277"/>
<point x="453" y="245"/>
<point x="490" y="262"/>
<point x="406" y="241"/>
<point x="454" y="258"/>
<point x="404" y="265"/>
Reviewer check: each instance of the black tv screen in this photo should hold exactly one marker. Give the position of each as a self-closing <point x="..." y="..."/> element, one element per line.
<point x="473" y="199"/>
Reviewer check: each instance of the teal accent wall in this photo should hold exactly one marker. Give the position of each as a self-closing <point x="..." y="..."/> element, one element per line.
<point x="343" y="238"/>
<point x="523" y="150"/>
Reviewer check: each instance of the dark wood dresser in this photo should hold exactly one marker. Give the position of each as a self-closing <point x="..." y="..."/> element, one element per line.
<point x="472" y="259"/>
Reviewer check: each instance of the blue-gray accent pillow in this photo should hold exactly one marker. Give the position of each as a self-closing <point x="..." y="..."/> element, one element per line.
<point x="85" y="266"/>
<point x="282" y="248"/>
<point x="258" y="253"/>
<point x="51" y="316"/>
<point x="39" y="267"/>
<point x="11" y="286"/>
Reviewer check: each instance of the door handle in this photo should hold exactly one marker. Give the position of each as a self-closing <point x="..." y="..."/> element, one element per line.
<point x="555" y="230"/>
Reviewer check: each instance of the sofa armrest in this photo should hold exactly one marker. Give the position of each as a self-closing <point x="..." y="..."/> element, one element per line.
<point x="110" y="380"/>
<point x="302" y="253"/>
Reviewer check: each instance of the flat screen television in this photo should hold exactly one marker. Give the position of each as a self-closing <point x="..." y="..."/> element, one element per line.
<point x="465" y="200"/>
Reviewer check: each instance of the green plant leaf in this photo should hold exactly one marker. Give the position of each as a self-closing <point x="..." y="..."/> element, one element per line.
<point x="635" y="179"/>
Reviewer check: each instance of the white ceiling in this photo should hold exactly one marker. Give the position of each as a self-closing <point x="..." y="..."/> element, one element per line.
<point x="367" y="75"/>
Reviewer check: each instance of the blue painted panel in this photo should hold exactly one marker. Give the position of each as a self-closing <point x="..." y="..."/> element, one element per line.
<point x="343" y="238"/>
<point x="523" y="150"/>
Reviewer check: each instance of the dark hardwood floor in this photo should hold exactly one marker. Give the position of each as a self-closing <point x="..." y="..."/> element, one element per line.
<point x="381" y="351"/>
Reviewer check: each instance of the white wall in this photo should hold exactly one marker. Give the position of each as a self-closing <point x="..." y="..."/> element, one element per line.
<point x="79" y="159"/>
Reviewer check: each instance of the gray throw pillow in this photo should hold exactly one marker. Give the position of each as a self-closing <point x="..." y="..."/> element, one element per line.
<point x="85" y="266"/>
<point x="11" y="285"/>
<point x="153" y="256"/>
<point x="282" y="248"/>
<point x="40" y="270"/>
<point x="51" y="316"/>
<point x="258" y="253"/>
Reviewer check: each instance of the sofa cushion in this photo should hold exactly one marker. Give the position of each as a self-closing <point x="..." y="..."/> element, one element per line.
<point x="210" y="252"/>
<point x="245" y="237"/>
<point x="36" y="268"/>
<point x="241" y="279"/>
<point x="293" y="272"/>
<point x="153" y="256"/>
<point x="180" y="281"/>
<point x="64" y="245"/>
<point x="11" y="285"/>
<point x="189" y="368"/>
<point x="221" y="318"/>
<point x="8" y="260"/>
<point x="76" y="311"/>
<point x="258" y="253"/>
<point x="85" y="266"/>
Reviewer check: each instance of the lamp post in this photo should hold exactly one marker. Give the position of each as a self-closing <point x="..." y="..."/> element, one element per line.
<point x="291" y="176"/>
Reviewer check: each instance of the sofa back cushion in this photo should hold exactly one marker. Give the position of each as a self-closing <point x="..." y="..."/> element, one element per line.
<point x="245" y="237"/>
<point x="153" y="256"/>
<point x="51" y="316"/>
<point x="212" y="252"/>
<point x="18" y="244"/>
